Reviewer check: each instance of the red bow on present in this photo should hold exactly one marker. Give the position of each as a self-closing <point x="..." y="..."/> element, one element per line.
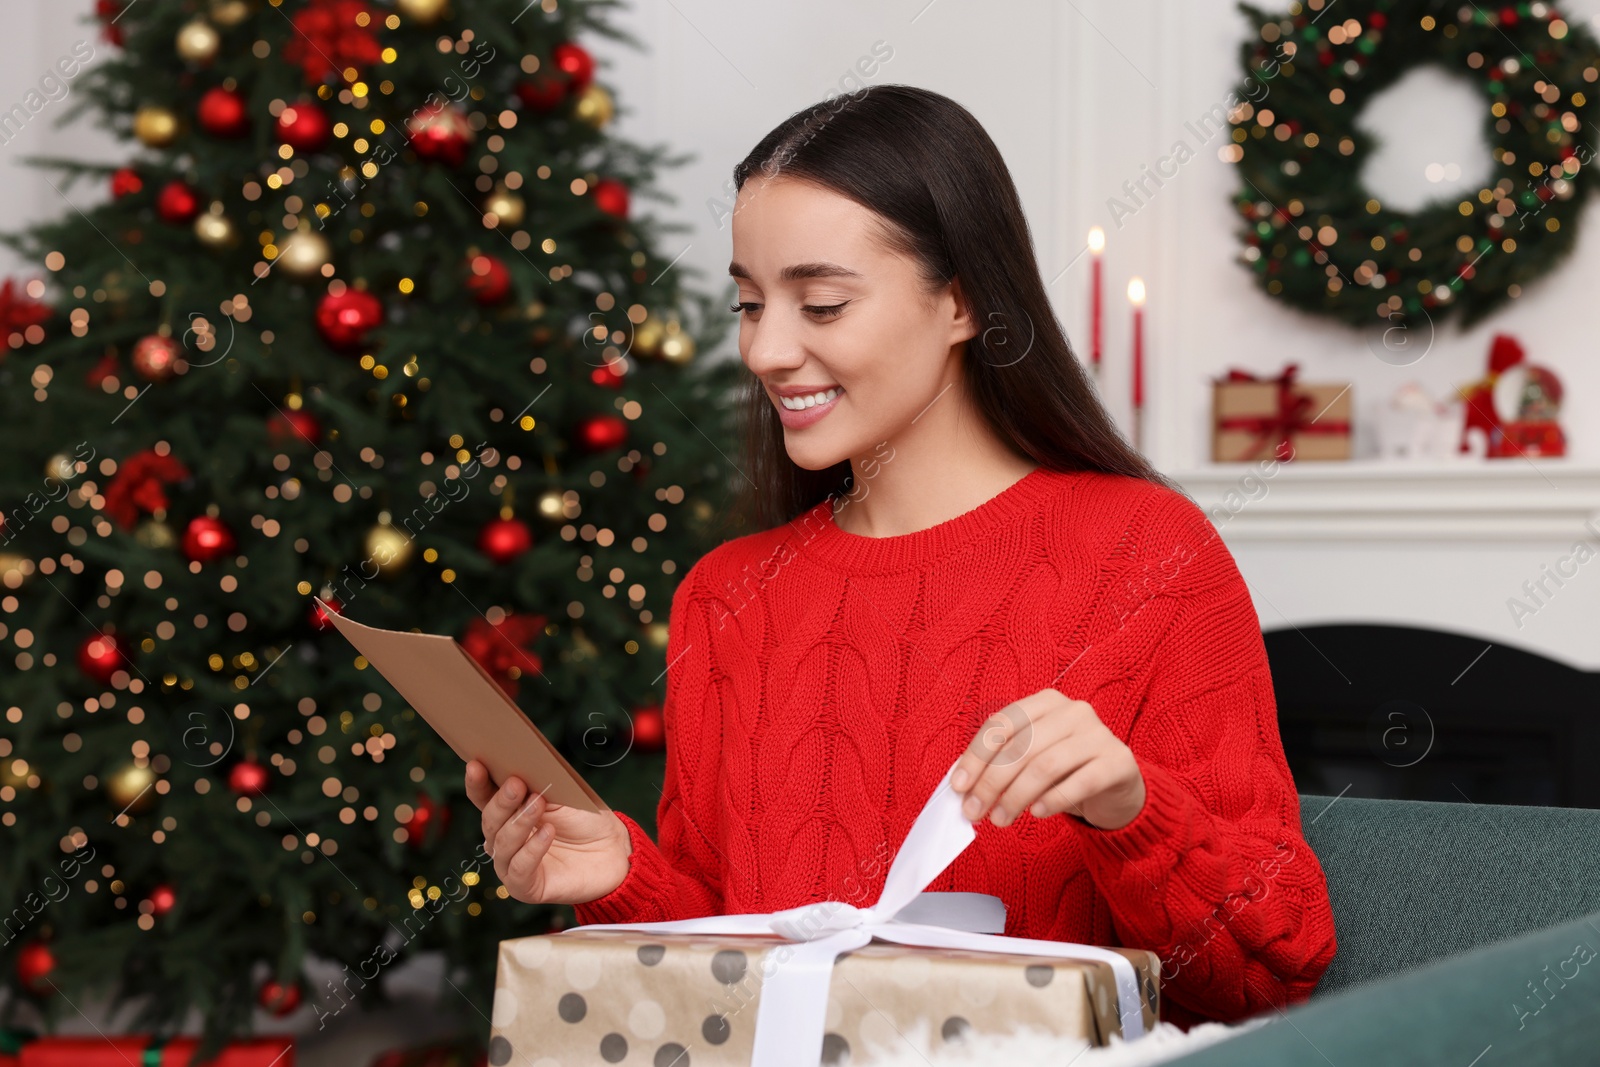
<point x="501" y="648"/>
<point x="1290" y="418"/>
<point x="138" y="483"/>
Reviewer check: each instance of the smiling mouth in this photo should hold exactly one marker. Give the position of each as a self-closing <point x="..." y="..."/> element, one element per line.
<point x="811" y="400"/>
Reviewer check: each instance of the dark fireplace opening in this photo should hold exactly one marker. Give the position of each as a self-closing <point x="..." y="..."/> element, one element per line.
<point x="1405" y="713"/>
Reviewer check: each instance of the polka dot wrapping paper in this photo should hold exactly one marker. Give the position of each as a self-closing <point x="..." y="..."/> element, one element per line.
<point x="641" y="997"/>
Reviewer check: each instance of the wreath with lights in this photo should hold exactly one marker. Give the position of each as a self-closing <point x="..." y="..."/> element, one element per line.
<point x="1318" y="240"/>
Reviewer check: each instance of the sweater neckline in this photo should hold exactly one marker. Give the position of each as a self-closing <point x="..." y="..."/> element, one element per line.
<point x="858" y="552"/>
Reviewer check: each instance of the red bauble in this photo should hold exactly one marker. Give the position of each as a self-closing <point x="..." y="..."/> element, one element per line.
<point x="35" y="964"/>
<point x="303" y="126"/>
<point x="545" y="91"/>
<point x="319" y="617"/>
<point x="278" y="998"/>
<point x="601" y="432"/>
<point x="573" y="61"/>
<point x="177" y="202"/>
<point x="488" y="279"/>
<point x="296" y="426"/>
<point x="107" y="12"/>
<point x="502" y="648"/>
<point x="420" y="828"/>
<point x="156" y="357"/>
<point x="100" y="656"/>
<point x="223" y="113"/>
<point x="440" y="133"/>
<point x="206" y="539"/>
<point x="331" y="35"/>
<point x="611" y="196"/>
<point x="248" y="778"/>
<point x="503" y="540"/>
<point x="344" y="318"/>
<point x="162" y="898"/>
<point x="608" y="375"/>
<point x="125" y="181"/>
<point x="649" y="729"/>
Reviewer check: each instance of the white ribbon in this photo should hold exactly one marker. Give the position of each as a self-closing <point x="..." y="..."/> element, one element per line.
<point x="792" y="1008"/>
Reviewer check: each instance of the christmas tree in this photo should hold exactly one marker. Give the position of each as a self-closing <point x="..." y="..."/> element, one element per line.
<point x="366" y="315"/>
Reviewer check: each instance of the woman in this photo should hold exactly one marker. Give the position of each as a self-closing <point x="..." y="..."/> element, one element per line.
<point x="959" y="558"/>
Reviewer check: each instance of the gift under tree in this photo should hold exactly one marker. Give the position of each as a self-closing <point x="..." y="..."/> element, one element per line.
<point x="366" y="314"/>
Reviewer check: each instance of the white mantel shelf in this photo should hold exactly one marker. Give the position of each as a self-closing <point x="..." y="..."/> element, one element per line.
<point x="1541" y="500"/>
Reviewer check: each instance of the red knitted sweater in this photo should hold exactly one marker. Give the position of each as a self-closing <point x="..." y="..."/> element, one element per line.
<point x="821" y="682"/>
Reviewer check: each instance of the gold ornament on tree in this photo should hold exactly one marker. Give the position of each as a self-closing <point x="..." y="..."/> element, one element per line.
<point x="388" y="548"/>
<point x="229" y="12"/>
<point x="647" y="337"/>
<point x="14" y="772"/>
<point x="155" y="126"/>
<point x="131" y="788"/>
<point x="198" y="41"/>
<point x="61" y="467"/>
<point x="304" y="254"/>
<point x="155" y="533"/>
<point x="676" y="346"/>
<point x="552" y="508"/>
<point x="214" y="229"/>
<point x="14" y="570"/>
<point x="506" y="206"/>
<point x="656" y="634"/>
<point x="594" y="106"/>
<point x="422" y="11"/>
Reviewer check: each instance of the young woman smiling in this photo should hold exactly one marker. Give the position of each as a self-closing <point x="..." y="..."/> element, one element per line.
<point x="958" y="558"/>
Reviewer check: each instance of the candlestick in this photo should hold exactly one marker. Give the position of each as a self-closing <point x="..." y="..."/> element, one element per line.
<point x="1097" y="245"/>
<point x="1136" y="298"/>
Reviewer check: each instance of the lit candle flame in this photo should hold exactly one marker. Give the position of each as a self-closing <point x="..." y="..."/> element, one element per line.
<point x="1136" y="291"/>
<point x="1097" y="240"/>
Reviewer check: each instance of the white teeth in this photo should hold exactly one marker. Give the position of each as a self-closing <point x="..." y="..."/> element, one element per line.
<point x="800" y="403"/>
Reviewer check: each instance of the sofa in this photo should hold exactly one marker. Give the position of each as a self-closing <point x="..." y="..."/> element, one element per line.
<point x="1469" y="935"/>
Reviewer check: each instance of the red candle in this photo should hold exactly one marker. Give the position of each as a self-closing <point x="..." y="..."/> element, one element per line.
<point x="1136" y="298"/>
<point x="1097" y="244"/>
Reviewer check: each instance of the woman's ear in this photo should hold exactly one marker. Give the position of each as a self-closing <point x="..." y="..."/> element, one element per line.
<point x="963" y="325"/>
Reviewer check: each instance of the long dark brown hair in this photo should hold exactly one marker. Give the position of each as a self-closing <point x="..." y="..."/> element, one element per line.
<point x="929" y="170"/>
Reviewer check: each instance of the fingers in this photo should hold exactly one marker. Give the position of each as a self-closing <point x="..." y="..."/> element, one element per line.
<point x="501" y="807"/>
<point x="1005" y="746"/>
<point x="522" y="873"/>
<point x="1051" y="767"/>
<point x="480" y="790"/>
<point x="514" y="831"/>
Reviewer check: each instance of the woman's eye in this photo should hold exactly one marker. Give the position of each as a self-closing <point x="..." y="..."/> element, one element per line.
<point x="821" y="312"/>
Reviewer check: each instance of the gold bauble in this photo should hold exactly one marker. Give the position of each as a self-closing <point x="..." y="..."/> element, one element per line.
<point x="229" y="12"/>
<point x="676" y="346"/>
<point x="656" y="634"/>
<point x="422" y="11"/>
<point x="198" y="41"/>
<point x="647" y="337"/>
<point x="131" y="788"/>
<point x="14" y="570"/>
<point x="507" y="207"/>
<point x="14" y="772"/>
<point x="214" y="229"/>
<point x="61" y="467"/>
<point x="552" y="508"/>
<point x="388" y="548"/>
<point x="304" y="254"/>
<point x="153" y="533"/>
<point x="594" y="106"/>
<point x="156" y="126"/>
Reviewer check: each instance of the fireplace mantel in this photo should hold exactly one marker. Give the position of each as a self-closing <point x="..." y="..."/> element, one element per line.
<point x="1453" y="546"/>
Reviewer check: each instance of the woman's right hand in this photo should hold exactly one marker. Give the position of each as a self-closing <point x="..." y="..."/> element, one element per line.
<point x="548" y="853"/>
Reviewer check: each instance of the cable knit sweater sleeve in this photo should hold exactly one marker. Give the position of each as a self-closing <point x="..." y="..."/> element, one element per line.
<point x="1213" y="873"/>
<point x="680" y="879"/>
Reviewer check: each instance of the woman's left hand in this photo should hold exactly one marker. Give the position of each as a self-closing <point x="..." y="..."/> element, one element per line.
<point x="1049" y="754"/>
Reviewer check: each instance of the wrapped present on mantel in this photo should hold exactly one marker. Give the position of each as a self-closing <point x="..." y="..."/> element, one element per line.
<point x="825" y="983"/>
<point x="1278" y="418"/>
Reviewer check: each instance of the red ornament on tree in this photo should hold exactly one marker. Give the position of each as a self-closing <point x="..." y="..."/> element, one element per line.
<point x="576" y="63"/>
<point x="331" y="35"/>
<point x="319" y="615"/>
<point x="278" y="998"/>
<point x="303" y="126"/>
<point x="125" y="181"/>
<point x="107" y="11"/>
<point x="248" y="778"/>
<point x="608" y="375"/>
<point x="427" y="823"/>
<point x="222" y="113"/>
<point x="344" y="318"/>
<point x="295" y="426"/>
<point x="503" y="540"/>
<point x="35" y="964"/>
<point x="545" y="91"/>
<point x="156" y="357"/>
<point x="500" y="648"/>
<point x="20" y="314"/>
<point x="206" y="539"/>
<point x="162" y="899"/>
<point x="440" y="133"/>
<point x="649" y="729"/>
<point x="611" y="196"/>
<point x="100" y="656"/>
<point x="488" y="279"/>
<point x="597" y="433"/>
<point x="177" y="202"/>
<point x="137" y="486"/>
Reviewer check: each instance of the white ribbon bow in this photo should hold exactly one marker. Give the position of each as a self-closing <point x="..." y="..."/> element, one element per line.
<point x="792" y="1009"/>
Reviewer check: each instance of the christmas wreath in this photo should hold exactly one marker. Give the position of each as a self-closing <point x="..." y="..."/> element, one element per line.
<point x="1320" y="241"/>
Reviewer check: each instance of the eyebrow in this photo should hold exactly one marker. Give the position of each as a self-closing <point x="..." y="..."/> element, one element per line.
<point x="798" y="271"/>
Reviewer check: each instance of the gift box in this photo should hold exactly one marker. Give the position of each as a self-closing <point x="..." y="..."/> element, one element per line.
<point x="1278" y="418"/>
<point x="143" y="1051"/>
<point x="618" y="996"/>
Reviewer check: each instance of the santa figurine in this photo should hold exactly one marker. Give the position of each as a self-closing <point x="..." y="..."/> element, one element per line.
<point x="1479" y="418"/>
<point x="1535" y="431"/>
